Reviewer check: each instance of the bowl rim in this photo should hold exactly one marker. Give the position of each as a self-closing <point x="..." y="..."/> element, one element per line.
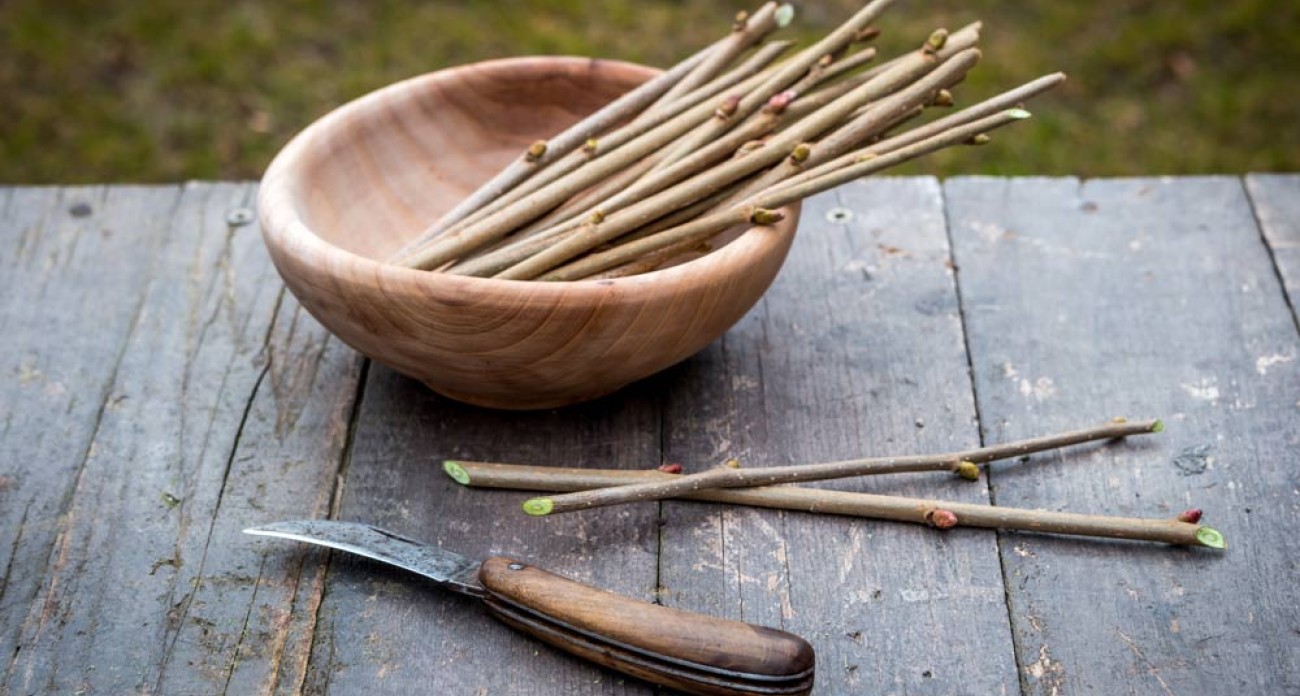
<point x="284" y="229"/>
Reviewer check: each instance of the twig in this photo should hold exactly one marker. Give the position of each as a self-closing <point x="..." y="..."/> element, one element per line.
<point x="748" y="31"/>
<point x="646" y="130"/>
<point x="785" y="75"/>
<point x="530" y="203"/>
<point x="878" y="116"/>
<point x="704" y="184"/>
<point x="735" y="478"/>
<point x="496" y="262"/>
<point x="708" y="225"/>
<point x="823" y="501"/>
<point x="973" y="113"/>
<point x="562" y="144"/>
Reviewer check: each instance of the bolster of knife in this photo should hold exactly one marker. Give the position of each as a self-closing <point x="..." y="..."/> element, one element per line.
<point x="693" y="653"/>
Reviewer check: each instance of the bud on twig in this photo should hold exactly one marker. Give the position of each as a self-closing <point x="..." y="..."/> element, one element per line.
<point x="941" y="519"/>
<point x="979" y="139"/>
<point x="967" y="470"/>
<point x="742" y="19"/>
<point x="780" y="101"/>
<point x="597" y="216"/>
<point x="535" y="151"/>
<point x="671" y="468"/>
<point x="749" y="147"/>
<point x="936" y="41"/>
<point x="866" y="35"/>
<point x="763" y="216"/>
<point x="942" y="98"/>
<point x="1191" y="516"/>
<point x="591" y="146"/>
<point x="800" y="153"/>
<point x="728" y="107"/>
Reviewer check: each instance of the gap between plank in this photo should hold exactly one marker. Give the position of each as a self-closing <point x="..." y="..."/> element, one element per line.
<point x="1272" y="253"/>
<point x="948" y="226"/>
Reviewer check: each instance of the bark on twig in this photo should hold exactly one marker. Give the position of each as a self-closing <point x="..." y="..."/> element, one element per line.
<point x="736" y="478"/>
<point x="823" y="501"/>
<point x="647" y="131"/>
<point x="571" y="139"/>
<point x="708" y="225"/>
<point x="787" y="74"/>
<point x="746" y="34"/>
<point x="702" y="185"/>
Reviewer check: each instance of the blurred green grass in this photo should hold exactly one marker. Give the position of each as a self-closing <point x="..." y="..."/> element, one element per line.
<point x="171" y="89"/>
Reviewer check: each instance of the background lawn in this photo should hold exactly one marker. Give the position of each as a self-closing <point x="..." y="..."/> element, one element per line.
<point x="178" y="89"/>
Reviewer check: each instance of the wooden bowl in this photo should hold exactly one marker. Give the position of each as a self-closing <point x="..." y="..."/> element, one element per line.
<point x="358" y="183"/>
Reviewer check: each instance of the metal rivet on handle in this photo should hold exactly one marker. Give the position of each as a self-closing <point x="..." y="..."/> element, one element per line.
<point x="839" y="216"/>
<point x="238" y="217"/>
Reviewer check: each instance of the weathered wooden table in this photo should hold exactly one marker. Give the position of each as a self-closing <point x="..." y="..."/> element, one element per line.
<point x="161" y="391"/>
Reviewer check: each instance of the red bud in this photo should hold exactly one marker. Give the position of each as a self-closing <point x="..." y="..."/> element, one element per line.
<point x="780" y="101"/>
<point x="941" y="519"/>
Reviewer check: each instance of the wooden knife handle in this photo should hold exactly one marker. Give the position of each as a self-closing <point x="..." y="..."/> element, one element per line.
<point x="693" y="653"/>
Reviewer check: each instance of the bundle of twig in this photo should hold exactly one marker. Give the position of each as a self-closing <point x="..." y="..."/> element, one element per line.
<point x="720" y="139"/>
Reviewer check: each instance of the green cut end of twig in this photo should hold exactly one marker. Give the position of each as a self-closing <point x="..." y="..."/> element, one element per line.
<point x="1018" y="113"/>
<point x="456" y="472"/>
<point x="968" y="471"/>
<point x="784" y="15"/>
<point x="1159" y="427"/>
<point x="1211" y="537"/>
<point x="539" y="507"/>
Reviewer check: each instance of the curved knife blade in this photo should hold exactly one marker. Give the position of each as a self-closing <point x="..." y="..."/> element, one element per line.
<point x="447" y="568"/>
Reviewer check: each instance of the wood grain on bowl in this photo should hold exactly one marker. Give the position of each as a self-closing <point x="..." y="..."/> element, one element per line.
<point x="356" y="185"/>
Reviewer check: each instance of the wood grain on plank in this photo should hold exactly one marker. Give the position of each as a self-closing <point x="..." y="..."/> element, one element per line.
<point x="74" y="266"/>
<point x="386" y="630"/>
<point x="856" y="350"/>
<point x="151" y="588"/>
<point x="1276" y="199"/>
<point x="1138" y="297"/>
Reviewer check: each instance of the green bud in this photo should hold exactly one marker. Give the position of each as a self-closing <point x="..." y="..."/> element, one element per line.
<point x="536" y="151"/>
<point x="937" y="39"/>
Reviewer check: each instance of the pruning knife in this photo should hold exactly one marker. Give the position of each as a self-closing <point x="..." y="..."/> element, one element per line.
<point x="692" y="653"/>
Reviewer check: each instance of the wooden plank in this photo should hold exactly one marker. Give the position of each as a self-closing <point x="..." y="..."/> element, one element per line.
<point x="1139" y="297"/>
<point x="856" y="350"/>
<point x="74" y="265"/>
<point x="247" y="614"/>
<point x="214" y="415"/>
<point x="387" y="631"/>
<point x="1276" y="199"/>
